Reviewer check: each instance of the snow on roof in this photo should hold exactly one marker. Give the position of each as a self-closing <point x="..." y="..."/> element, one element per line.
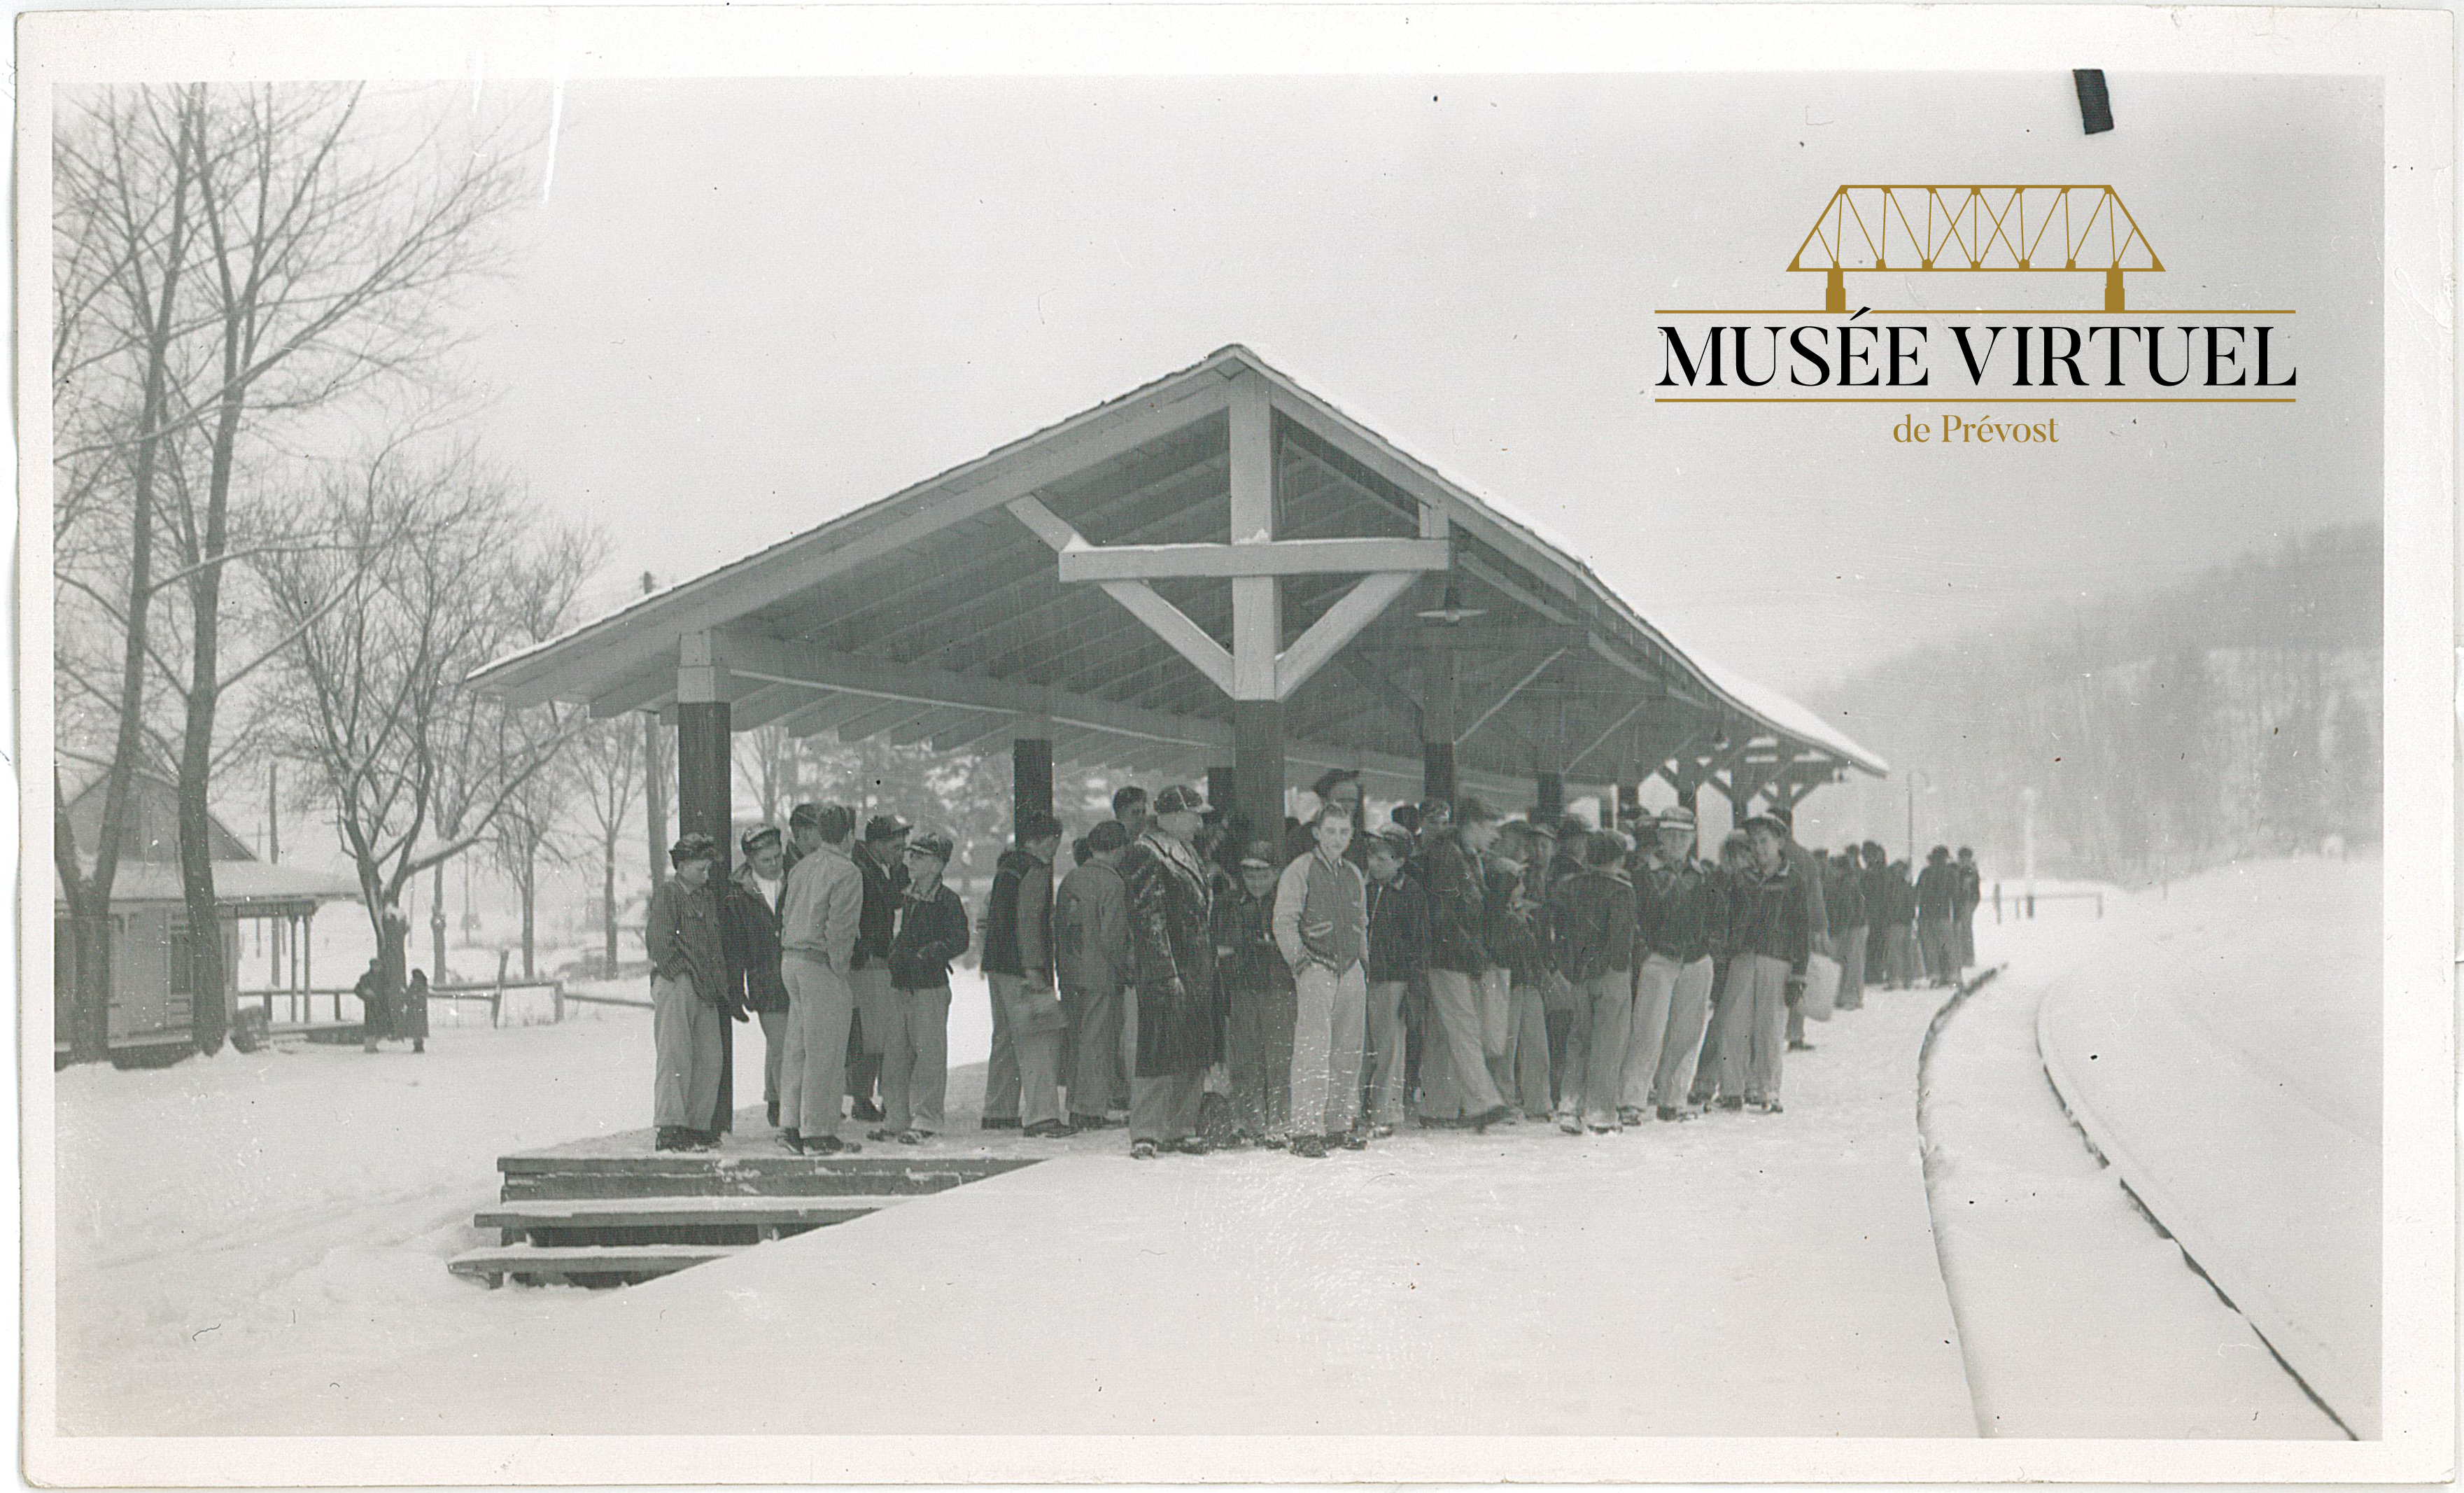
<point x="235" y="881"/>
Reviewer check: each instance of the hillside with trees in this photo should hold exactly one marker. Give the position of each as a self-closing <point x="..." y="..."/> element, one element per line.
<point x="2235" y="714"/>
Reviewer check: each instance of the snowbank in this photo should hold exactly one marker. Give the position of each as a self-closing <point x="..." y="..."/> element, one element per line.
<point x="2223" y="1052"/>
<point x="2079" y="1317"/>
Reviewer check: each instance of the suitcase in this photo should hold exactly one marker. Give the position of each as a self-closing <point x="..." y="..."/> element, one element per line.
<point x="1821" y="987"/>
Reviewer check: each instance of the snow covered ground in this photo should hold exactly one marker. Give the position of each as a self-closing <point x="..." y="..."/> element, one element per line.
<point x="257" y="1243"/>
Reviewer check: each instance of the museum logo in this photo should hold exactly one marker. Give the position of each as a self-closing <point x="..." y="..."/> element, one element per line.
<point x="1884" y="236"/>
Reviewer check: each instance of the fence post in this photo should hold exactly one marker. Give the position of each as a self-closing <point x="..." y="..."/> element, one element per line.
<point x="496" y="1001"/>
<point x="557" y="994"/>
<point x="1997" y="901"/>
<point x="2100" y="904"/>
<point x="2032" y="906"/>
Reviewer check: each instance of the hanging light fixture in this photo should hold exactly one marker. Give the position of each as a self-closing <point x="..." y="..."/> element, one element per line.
<point x="1450" y="611"/>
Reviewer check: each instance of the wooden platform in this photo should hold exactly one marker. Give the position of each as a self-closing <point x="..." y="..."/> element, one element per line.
<point x="612" y="1210"/>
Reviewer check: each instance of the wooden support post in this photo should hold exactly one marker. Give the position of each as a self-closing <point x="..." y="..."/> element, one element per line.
<point x="1437" y="716"/>
<point x="1258" y="767"/>
<point x="1223" y="787"/>
<point x="1629" y="797"/>
<point x="1553" y="796"/>
<point x="705" y="768"/>
<point x="1030" y="773"/>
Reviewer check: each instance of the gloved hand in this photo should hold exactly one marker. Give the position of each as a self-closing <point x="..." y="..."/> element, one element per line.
<point x="1795" y="990"/>
<point x="737" y="1012"/>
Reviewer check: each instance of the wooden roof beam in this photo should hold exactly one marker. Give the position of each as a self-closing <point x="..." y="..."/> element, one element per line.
<point x="557" y="671"/>
<point x="774" y="661"/>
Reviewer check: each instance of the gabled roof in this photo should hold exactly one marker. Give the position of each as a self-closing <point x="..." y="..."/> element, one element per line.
<point x="935" y="614"/>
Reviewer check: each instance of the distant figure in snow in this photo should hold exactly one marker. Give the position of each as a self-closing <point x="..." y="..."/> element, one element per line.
<point x="376" y="1015"/>
<point x="411" y="1020"/>
<point x="1963" y="912"/>
<point x="1938" y="887"/>
<point x="1899" y="938"/>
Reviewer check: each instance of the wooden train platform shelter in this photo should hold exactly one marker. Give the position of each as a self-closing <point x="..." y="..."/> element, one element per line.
<point x="1221" y="576"/>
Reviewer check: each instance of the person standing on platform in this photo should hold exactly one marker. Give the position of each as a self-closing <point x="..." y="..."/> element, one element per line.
<point x="1878" y="914"/>
<point x="881" y="858"/>
<point x="1595" y="921"/>
<point x="1772" y="937"/>
<point x="1899" y="916"/>
<point x="1849" y="923"/>
<point x="1017" y="969"/>
<point x="749" y="931"/>
<point x="1574" y="834"/>
<point x="1506" y="935"/>
<point x="1459" y="958"/>
<point x="1731" y="881"/>
<point x="1090" y="932"/>
<point x="1130" y="810"/>
<point x="1340" y="787"/>
<point x="1521" y="859"/>
<point x="1399" y="957"/>
<point x="1172" y="946"/>
<point x="688" y="1002"/>
<point x="1321" y="923"/>
<point x="1938" y="892"/>
<point x="1258" y="997"/>
<point x="819" y="920"/>
<point x="1677" y="923"/>
<point x="931" y="930"/>
<point x="1963" y="912"/>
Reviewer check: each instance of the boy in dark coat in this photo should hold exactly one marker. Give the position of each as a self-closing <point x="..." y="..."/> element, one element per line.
<point x="1172" y="944"/>
<point x="1259" y="1000"/>
<point x="748" y="929"/>
<point x="932" y="931"/>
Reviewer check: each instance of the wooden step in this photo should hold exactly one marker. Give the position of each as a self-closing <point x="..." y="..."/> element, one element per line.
<point x="681" y="1221"/>
<point x="590" y="1264"/>
<point x="541" y="1175"/>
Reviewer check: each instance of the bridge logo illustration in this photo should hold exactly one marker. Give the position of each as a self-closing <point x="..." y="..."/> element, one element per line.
<point x="1974" y="229"/>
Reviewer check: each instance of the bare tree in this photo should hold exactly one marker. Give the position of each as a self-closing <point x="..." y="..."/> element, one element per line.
<point x="768" y="760"/>
<point x="321" y="230"/>
<point x="374" y="687"/>
<point x="607" y="761"/>
<point x="529" y="831"/>
<point x="123" y="238"/>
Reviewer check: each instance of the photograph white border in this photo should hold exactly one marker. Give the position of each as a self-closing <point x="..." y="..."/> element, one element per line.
<point x="2410" y="50"/>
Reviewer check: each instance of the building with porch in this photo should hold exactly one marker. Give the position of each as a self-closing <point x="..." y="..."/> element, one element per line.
<point x="1219" y="577"/>
<point x="150" y="933"/>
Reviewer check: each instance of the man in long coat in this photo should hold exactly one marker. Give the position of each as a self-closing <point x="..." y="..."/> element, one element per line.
<point x="1172" y="950"/>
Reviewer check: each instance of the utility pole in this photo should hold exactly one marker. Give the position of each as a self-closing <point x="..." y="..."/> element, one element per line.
<point x="654" y="772"/>
<point x="1916" y="776"/>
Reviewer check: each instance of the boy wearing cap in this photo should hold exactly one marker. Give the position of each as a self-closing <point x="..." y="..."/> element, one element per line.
<point x="1594" y="913"/>
<point x="1172" y="943"/>
<point x="1022" y="1081"/>
<point x="748" y="927"/>
<point x="1676" y="924"/>
<point x="1091" y="934"/>
<point x="1461" y="1085"/>
<point x="1845" y="894"/>
<point x="931" y="930"/>
<point x="881" y="857"/>
<point x="818" y="922"/>
<point x="1321" y="923"/>
<point x="1258" y="992"/>
<point x="1398" y="956"/>
<point x="1771" y="937"/>
<point x="688" y="1003"/>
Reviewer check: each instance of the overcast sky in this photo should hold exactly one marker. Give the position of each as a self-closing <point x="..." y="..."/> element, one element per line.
<point x="744" y="308"/>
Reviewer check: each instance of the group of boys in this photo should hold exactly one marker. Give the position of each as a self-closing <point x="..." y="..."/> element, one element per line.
<point x="840" y="947"/>
<point x="1324" y="987"/>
